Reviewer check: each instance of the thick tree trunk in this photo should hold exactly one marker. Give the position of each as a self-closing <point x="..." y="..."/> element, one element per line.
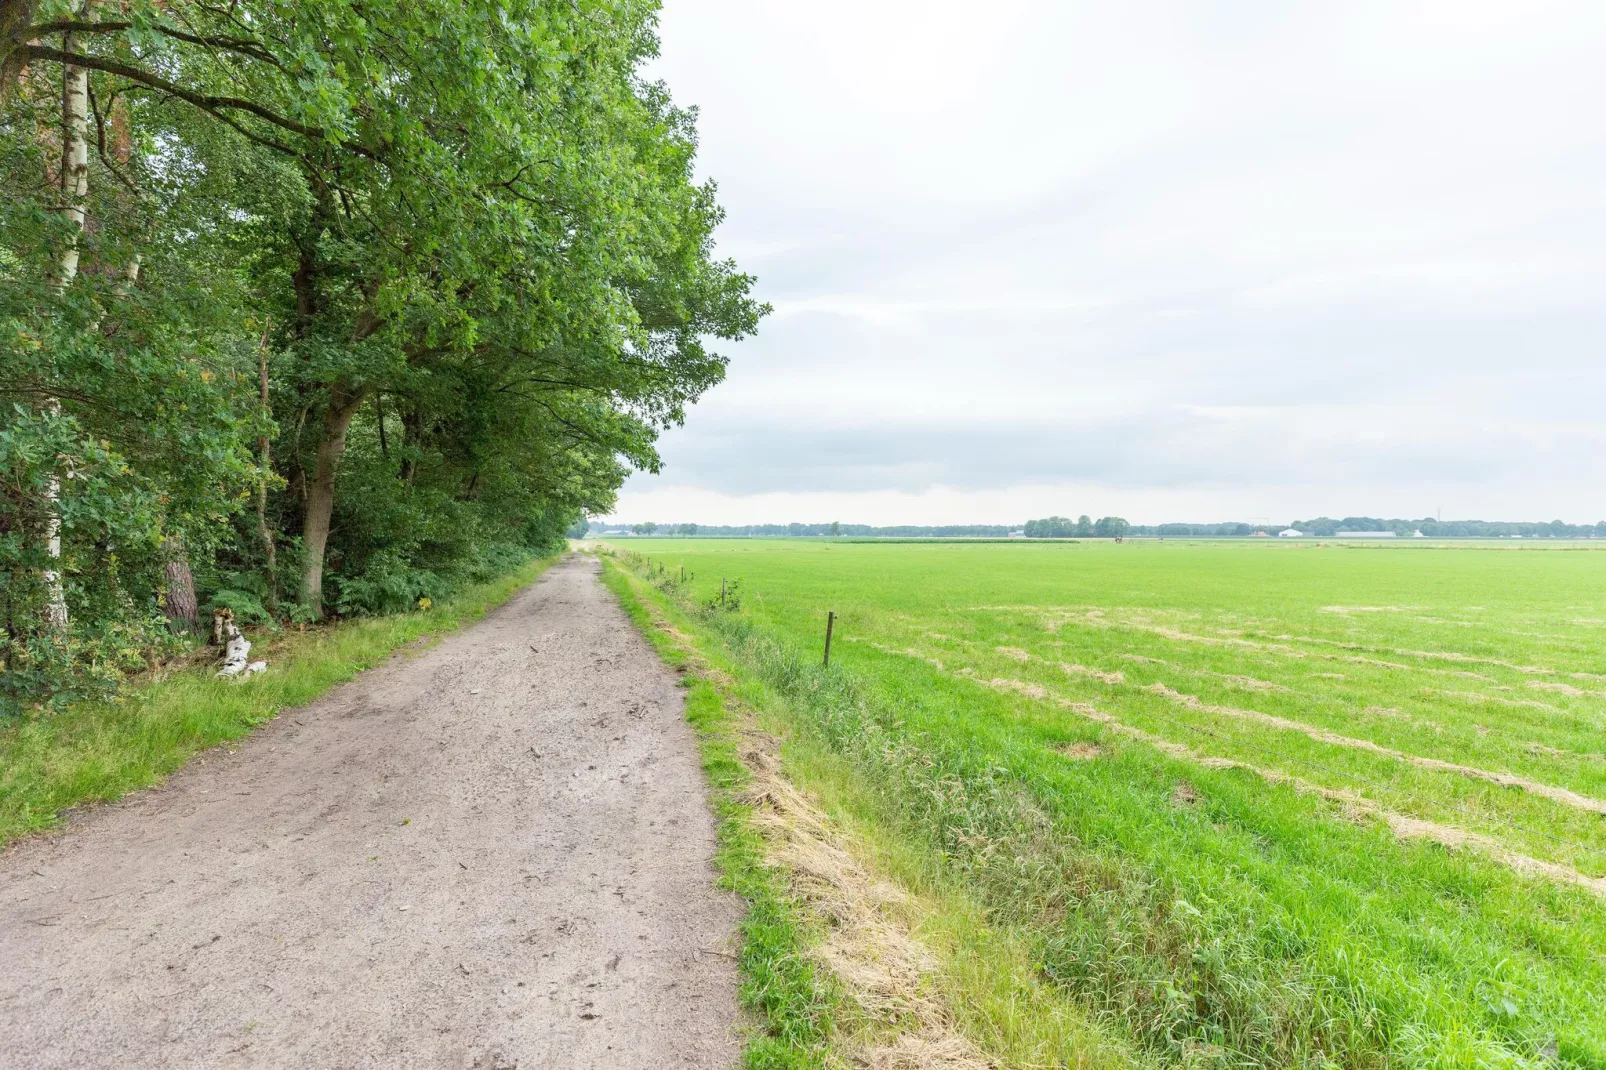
<point x="182" y="609"/>
<point x="75" y="189"/>
<point x="320" y="489"/>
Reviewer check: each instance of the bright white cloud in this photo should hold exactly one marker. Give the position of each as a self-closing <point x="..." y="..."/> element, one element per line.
<point x="1190" y="260"/>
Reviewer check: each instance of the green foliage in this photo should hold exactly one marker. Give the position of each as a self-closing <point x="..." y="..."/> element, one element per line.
<point x="1111" y="527"/>
<point x="1122" y="754"/>
<point x="1053" y="527"/>
<point x="463" y="243"/>
<point x="1059" y="527"/>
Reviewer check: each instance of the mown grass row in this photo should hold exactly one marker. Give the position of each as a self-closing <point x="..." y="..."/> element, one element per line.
<point x="1215" y="919"/>
<point x="1441" y="710"/>
<point x="51" y="760"/>
<point x="1526" y="822"/>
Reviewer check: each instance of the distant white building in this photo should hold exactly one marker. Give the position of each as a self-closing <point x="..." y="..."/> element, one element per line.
<point x="1290" y="533"/>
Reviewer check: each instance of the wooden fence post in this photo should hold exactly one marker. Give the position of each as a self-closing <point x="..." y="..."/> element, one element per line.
<point x="830" y="621"/>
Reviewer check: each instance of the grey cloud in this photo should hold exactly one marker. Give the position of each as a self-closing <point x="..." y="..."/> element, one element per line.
<point x="1155" y="449"/>
<point x="1168" y="245"/>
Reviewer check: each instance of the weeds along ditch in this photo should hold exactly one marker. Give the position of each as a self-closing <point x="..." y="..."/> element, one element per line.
<point x="1185" y="889"/>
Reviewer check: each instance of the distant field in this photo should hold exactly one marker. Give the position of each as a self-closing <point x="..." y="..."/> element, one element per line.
<point x="1258" y="803"/>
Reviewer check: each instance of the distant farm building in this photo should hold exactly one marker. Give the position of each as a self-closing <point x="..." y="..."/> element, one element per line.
<point x="1290" y="533"/>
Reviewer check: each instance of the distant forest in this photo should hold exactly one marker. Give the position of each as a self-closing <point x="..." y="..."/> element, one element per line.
<point x="907" y="531"/>
<point x="1059" y="527"/>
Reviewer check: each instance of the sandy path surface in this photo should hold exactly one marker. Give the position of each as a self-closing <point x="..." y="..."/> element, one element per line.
<point x="493" y="855"/>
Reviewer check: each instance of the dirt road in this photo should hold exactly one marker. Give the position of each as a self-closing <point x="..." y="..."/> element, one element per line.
<point x="495" y="854"/>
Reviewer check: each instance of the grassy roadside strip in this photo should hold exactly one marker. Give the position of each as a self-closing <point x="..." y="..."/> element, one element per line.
<point x="877" y="960"/>
<point x="96" y="752"/>
<point x="796" y="1002"/>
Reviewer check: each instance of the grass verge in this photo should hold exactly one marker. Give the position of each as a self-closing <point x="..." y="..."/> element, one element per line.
<point x="859" y="949"/>
<point x="99" y="751"/>
<point x="794" y="1000"/>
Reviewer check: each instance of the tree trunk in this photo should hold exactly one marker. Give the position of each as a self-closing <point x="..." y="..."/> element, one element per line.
<point x="183" y="611"/>
<point x="265" y="461"/>
<point x="412" y="442"/>
<point x="56" y="610"/>
<point x="15" y="18"/>
<point x="320" y="490"/>
<point x="74" y="159"/>
<point x="75" y="188"/>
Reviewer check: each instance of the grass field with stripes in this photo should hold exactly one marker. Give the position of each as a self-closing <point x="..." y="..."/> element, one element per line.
<point x="1253" y="804"/>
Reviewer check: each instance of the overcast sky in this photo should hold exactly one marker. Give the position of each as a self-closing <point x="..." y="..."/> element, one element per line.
<point x="1171" y="260"/>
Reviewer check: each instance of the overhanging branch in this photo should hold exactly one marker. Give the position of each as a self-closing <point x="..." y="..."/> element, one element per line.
<point x="214" y="105"/>
<point x="242" y="46"/>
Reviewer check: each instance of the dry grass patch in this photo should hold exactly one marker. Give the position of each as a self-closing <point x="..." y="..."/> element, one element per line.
<point x="1116" y="677"/>
<point x="1321" y="735"/>
<point x="889" y="975"/>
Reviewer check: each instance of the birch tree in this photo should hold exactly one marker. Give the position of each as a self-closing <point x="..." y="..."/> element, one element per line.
<point x="473" y="228"/>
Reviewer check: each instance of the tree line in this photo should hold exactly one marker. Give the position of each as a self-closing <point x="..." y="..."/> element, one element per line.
<point x="1059" y="527"/>
<point x="827" y="528"/>
<point x="327" y="307"/>
<point x="1329" y="527"/>
<point x="1453" y="529"/>
<point x="1083" y="527"/>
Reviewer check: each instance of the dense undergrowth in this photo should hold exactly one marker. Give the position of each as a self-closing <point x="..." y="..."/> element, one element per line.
<point x="1206" y="915"/>
<point x="326" y="308"/>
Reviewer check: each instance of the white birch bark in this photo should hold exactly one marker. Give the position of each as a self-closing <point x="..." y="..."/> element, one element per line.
<point x="75" y="190"/>
<point x="74" y="163"/>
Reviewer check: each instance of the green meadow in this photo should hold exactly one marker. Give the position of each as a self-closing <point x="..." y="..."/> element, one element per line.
<point x="1247" y="803"/>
